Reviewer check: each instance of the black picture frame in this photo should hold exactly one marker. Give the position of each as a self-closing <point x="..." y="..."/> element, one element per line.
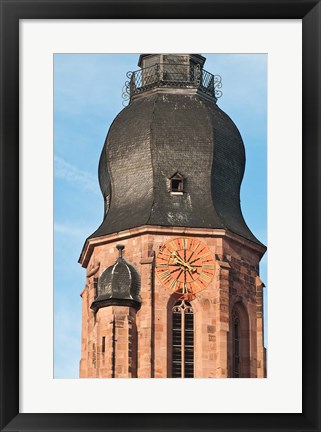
<point x="11" y="12"/>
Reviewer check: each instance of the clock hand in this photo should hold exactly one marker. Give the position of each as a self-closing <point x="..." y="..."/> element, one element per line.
<point x="192" y="269"/>
<point x="190" y="273"/>
<point x="187" y="266"/>
<point x="178" y="259"/>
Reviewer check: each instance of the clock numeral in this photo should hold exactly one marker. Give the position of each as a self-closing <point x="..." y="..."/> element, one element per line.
<point x="161" y="265"/>
<point x="173" y="284"/>
<point x="197" y="245"/>
<point x="165" y="275"/>
<point x="163" y="253"/>
<point x="205" y="278"/>
<point x="172" y="243"/>
<point x="208" y="272"/>
<point x="197" y="285"/>
<point x="208" y="266"/>
<point x="205" y="255"/>
<point x="161" y="258"/>
<point x="185" y="244"/>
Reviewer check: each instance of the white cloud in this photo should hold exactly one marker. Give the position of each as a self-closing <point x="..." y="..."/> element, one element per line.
<point x="71" y="230"/>
<point x="66" y="171"/>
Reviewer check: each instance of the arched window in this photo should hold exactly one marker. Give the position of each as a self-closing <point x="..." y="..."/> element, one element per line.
<point x="240" y="342"/>
<point x="182" y="340"/>
<point x="236" y="347"/>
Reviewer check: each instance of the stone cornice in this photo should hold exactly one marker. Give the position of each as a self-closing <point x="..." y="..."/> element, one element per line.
<point x="98" y="304"/>
<point x="177" y="91"/>
<point x="91" y="243"/>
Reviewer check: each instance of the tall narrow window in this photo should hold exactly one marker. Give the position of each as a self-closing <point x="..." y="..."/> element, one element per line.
<point x="236" y="348"/>
<point x="95" y="287"/>
<point x="240" y="342"/>
<point x="183" y="340"/>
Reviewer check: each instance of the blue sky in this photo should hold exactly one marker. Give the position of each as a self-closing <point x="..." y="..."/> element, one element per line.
<point x="87" y="97"/>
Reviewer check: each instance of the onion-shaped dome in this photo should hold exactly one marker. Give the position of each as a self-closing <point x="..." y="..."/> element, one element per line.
<point x="118" y="285"/>
<point x="172" y="128"/>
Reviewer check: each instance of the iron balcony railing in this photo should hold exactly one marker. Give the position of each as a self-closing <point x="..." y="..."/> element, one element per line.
<point x="174" y="75"/>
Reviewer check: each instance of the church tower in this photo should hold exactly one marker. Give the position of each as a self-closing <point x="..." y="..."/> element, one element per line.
<point x="172" y="273"/>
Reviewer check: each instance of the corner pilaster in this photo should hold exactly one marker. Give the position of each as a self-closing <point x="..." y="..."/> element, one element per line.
<point x="222" y="319"/>
<point x="146" y="314"/>
<point x="260" y="329"/>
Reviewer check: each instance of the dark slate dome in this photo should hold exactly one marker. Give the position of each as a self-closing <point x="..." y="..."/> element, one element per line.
<point x="171" y="127"/>
<point x="118" y="285"/>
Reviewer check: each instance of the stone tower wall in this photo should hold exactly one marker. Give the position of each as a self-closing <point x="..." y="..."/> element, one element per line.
<point x="138" y="343"/>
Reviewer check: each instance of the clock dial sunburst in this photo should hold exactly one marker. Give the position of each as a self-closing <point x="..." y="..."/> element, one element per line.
<point x="185" y="265"/>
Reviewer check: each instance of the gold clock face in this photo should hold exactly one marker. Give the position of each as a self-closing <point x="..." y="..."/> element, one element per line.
<point x="185" y="265"/>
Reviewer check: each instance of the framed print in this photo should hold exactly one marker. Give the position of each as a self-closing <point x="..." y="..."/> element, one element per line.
<point x="76" y="76"/>
<point x="41" y="43"/>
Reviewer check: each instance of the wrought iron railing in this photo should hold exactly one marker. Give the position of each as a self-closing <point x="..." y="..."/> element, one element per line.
<point x="174" y="75"/>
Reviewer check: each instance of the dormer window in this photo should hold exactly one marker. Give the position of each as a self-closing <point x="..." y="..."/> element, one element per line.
<point x="177" y="184"/>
